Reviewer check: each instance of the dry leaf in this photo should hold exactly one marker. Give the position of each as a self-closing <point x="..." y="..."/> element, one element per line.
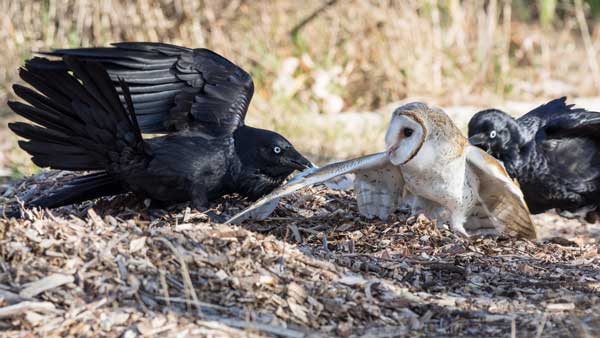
<point x="44" y="284"/>
<point x="137" y="244"/>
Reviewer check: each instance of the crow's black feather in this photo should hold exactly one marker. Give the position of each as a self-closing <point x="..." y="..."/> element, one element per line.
<point x="553" y="151"/>
<point x="172" y="88"/>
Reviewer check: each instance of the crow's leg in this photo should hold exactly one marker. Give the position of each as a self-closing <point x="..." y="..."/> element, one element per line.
<point x="567" y="214"/>
<point x="592" y="216"/>
<point x="587" y="213"/>
<point x="155" y="204"/>
<point x="199" y="198"/>
<point x="200" y="203"/>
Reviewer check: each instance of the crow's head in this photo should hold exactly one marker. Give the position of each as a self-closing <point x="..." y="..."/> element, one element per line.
<point x="268" y="152"/>
<point x="492" y="130"/>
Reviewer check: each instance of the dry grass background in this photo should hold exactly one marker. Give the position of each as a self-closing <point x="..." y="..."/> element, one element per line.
<point x="367" y="52"/>
<point x="354" y="55"/>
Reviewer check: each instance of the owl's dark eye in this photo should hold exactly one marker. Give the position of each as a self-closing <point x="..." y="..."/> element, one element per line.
<point x="407" y="132"/>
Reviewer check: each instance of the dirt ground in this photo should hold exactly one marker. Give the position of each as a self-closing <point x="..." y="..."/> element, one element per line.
<point x="314" y="269"/>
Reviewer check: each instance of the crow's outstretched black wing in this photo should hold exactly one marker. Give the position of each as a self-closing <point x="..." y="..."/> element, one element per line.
<point x="81" y="125"/>
<point x="539" y="117"/>
<point x="574" y="123"/>
<point x="570" y="140"/>
<point x="172" y="88"/>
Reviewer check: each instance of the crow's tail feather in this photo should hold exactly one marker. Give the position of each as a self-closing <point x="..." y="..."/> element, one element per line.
<point x="81" y="125"/>
<point x="80" y="189"/>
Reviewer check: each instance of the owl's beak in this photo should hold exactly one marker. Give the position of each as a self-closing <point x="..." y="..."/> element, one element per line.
<point x="391" y="150"/>
<point x="392" y="137"/>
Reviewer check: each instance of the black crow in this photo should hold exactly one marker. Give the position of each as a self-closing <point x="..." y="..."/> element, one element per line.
<point x="83" y="125"/>
<point x="553" y="151"/>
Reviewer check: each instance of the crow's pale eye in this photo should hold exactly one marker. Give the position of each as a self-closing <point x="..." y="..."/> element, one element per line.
<point x="407" y="132"/>
<point x="493" y="134"/>
<point x="276" y="150"/>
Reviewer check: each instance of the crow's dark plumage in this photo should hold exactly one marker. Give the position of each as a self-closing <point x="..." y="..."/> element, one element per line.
<point x="85" y="123"/>
<point x="172" y="88"/>
<point x="553" y="151"/>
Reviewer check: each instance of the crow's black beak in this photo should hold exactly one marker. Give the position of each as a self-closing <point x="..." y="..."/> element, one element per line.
<point x="478" y="139"/>
<point x="296" y="161"/>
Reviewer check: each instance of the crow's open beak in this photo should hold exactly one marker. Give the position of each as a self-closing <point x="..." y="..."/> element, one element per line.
<point x="478" y="139"/>
<point x="296" y="161"/>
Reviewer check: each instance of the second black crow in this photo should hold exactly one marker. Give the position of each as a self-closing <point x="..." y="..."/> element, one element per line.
<point x="84" y="125"/>
<point x="553" y="151"/>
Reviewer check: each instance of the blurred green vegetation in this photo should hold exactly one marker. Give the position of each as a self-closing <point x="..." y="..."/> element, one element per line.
<point x="547" y="10"/>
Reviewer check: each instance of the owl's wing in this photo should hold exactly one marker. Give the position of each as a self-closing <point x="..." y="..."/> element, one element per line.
<point x="314" y="176"/>
<point x="378" y="191"/>
<point x="501" y="198"/>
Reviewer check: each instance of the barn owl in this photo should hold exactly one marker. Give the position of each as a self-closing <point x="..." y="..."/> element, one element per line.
<point x="429" y="164"/>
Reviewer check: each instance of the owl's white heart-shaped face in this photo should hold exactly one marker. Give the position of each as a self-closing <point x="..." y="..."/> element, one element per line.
<point x="404" y="138"/>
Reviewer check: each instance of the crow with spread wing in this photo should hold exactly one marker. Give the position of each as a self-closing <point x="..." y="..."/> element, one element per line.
<point x="553" y="152"/>
<point x="92" y="120"/>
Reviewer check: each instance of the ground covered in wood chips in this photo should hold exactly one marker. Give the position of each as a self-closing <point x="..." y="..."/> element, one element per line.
<point x="314" y="269"/>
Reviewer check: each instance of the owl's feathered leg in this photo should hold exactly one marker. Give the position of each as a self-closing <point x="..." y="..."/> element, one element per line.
<point x="457" y="222"/>
<point x="479" y="223"/>
<point x="433" y="211"/>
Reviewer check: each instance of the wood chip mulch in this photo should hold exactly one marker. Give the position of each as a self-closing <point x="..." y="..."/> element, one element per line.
<point x="314" y="269"/>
